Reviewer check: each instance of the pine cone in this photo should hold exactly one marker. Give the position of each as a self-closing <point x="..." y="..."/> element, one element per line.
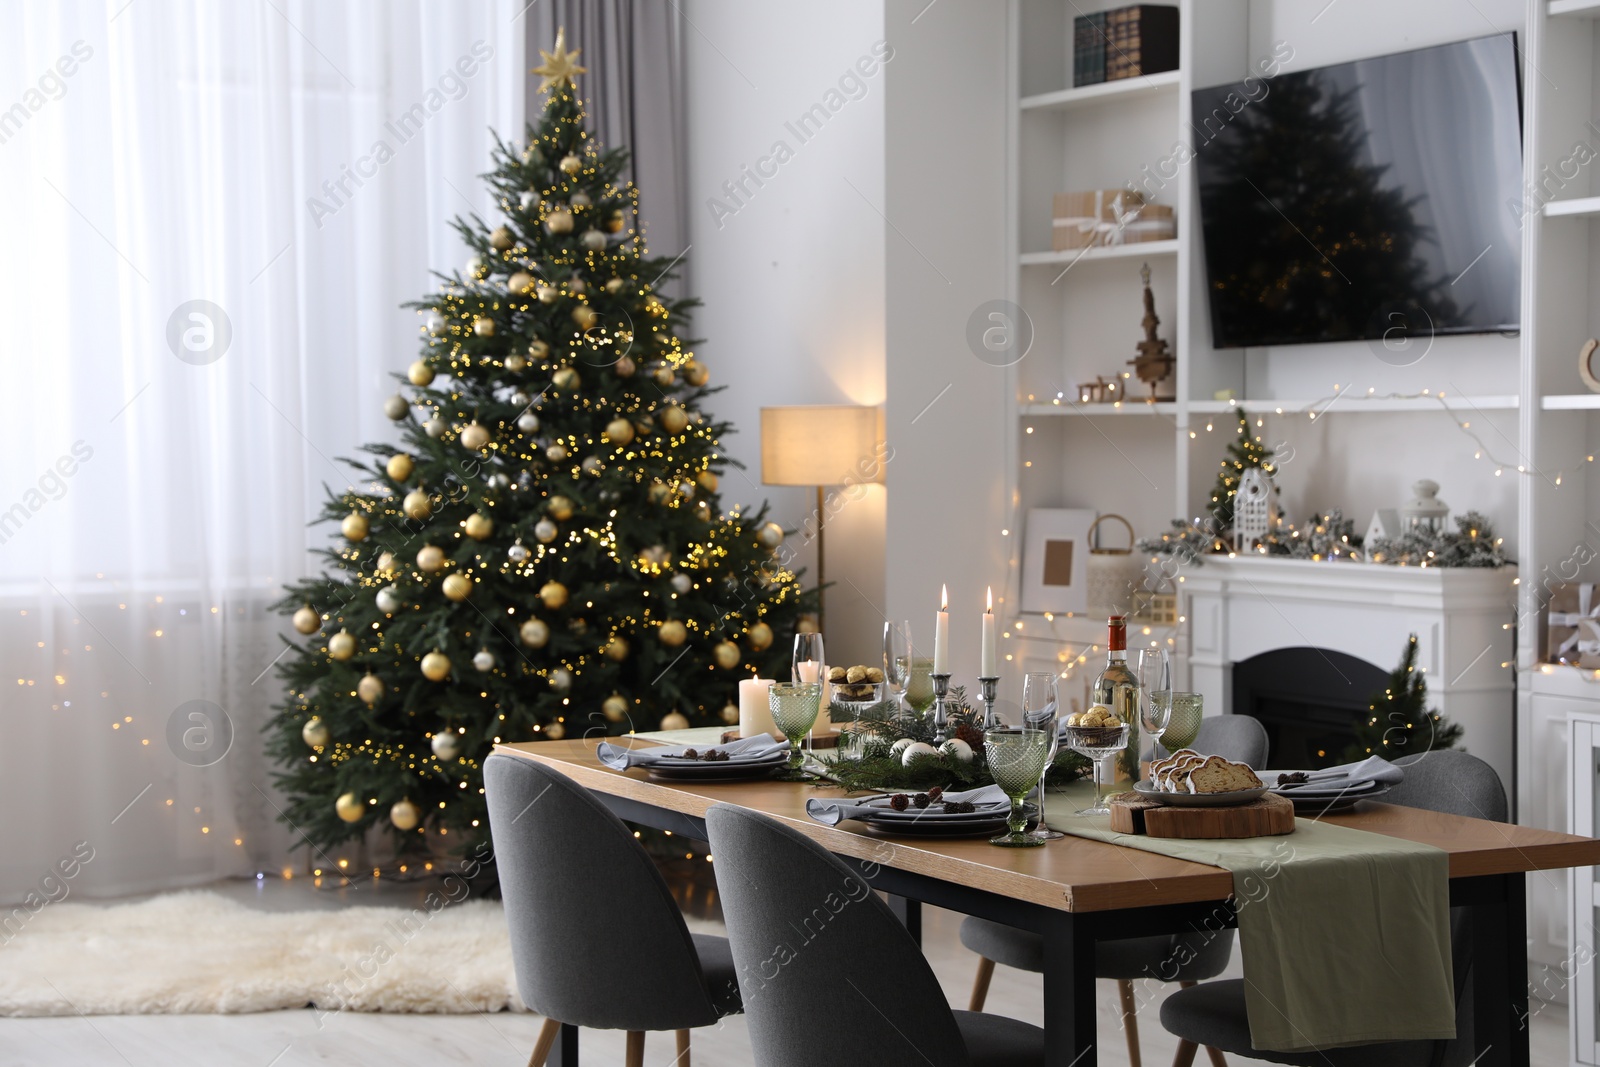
<point x="971" y="735"/>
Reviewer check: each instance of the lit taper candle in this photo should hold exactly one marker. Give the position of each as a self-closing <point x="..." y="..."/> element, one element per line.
<point x="941" y="633"/>
<point x="986" y="659"/>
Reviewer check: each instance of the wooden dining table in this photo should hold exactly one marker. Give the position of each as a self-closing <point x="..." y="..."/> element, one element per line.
<point x="1075" y="892"/>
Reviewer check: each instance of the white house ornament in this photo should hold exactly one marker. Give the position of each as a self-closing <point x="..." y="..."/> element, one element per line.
<point x="1252" y="509"/>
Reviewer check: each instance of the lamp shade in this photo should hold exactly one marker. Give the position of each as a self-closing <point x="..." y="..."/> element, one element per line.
<point x="824" y="444"/>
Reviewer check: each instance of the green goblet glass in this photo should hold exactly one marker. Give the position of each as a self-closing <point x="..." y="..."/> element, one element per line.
<point x="794" y="711"/>
<point x="1017" y="757"/>
<point x="919" y="683"/>
<point x="1183" y="725"/>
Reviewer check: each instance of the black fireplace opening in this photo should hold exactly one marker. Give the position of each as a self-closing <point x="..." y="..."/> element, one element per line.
<point x="1309" y="699"/>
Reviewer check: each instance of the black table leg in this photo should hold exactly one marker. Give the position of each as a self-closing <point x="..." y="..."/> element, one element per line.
<point x="1499" y="976"/>
<point x="565" y="1054"/>
<point x="909" y="912"/>
<point x="1069" y="1016"/>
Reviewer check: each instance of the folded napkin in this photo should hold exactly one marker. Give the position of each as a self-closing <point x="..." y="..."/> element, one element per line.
<point x="1347" y="776"/>
<point x="746" y="749"/>
<point x="832" y="812"/>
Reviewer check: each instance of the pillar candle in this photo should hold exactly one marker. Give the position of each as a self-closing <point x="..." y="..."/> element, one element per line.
<point x="941" y="633"/>
<point x="755" y="710"/>
<point x="986" y="665"/>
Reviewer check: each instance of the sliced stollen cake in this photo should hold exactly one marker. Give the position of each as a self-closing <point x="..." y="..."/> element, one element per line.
<point x="1217" y="775"/>
<point x="1172" y="778"/>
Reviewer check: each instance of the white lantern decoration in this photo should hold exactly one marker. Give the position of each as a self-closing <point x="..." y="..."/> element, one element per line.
<point x="1425" y="511"/>
<point x="1252" y="509"/>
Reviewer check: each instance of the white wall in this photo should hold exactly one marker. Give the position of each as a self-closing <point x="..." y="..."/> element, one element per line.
<point x="792" y="270"/>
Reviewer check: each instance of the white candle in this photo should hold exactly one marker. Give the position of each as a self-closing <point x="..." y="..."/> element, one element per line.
<point x="811" y="673"/>
<point x="986" y="667"/>
<point x="755" y="709"/>
<point x="941" y="633"/>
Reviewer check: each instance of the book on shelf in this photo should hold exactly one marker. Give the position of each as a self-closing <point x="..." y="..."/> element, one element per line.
<point x="1141" y="39"/>
<point x="1089" y="49"/>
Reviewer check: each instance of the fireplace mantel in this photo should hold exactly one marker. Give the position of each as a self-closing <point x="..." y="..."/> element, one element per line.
<point x="1241" y="607"/>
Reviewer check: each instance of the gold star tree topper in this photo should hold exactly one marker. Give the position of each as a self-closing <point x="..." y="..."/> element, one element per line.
<point x="559" y="65"/>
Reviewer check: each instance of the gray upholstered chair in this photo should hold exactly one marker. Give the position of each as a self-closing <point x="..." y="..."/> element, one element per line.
<point x="1214" y="1014"/>
<point x="595" y="935"/>
<point x="1182" y="958"/>
<point x="816" y="947"/>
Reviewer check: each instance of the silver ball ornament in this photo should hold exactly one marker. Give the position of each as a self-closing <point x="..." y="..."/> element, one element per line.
<point x="517" y="552"/>
<point x="528" y="422"/>
<point x="682" y="583"/>
<point x="396" y="407"/>
<point x="483" y="660"/>
<point x="446" y="744"/>
<point x="544" y="530"/>
<point x="435" y="427"/>
<point x="389" y="599"/>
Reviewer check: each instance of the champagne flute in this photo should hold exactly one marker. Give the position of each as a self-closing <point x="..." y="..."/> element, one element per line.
<point x="1016" y="756"/>
<point x="1040" y="710"/>
<point x="794" y="711"/>
<point x="1155" y="678"/>
<point x="809" y="666"/>
<point x="896" y="656"/>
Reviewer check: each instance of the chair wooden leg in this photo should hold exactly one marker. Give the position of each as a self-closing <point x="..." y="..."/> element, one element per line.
<point x="635" y="1053"/>
<point x="980" y="983"/>
<point x="547" y="1040"/>
<point x="683" y="1049"/>
<point x="1217" y="1058"/>
<point x="1185" y="1056"/>
<point x="1130" y="1019"/>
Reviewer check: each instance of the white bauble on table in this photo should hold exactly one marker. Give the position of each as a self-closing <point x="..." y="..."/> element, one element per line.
<point x="957" y="749"/>
<point x="916" y="750"/>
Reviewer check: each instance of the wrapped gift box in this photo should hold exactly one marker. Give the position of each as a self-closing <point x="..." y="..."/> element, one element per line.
<point x="1575" y="624"/>
<point x="1152" y="222"/>
<point x="1086" y="219"/>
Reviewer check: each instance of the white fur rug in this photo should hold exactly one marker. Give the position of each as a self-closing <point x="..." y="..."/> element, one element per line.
<point x="201" y="952"/>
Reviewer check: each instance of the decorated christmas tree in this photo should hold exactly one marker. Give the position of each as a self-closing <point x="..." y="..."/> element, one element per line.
<point x="1246" y="452"/>
<point x="1399" y="722"/>
<point x="545" y="553"/>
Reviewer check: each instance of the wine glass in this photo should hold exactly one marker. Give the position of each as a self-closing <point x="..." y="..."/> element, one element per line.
<point x="794" y="711"/>
<point x="1017" y="757"/>
<point x="1096" y="743"/>
<point x="1040" y="710"/>
<point x="1155" y="677"/>
<point x="809" y="666"/>
<point x="896" y="656"/>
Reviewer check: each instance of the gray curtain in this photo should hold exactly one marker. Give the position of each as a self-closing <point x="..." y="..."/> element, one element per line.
<point x="634" y="90"/>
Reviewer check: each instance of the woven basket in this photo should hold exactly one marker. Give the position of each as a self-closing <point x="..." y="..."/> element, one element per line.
<point x="1114" y="573"/>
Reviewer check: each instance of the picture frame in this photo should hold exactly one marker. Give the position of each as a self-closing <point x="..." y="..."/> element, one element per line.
<point x="1055" y="560"/>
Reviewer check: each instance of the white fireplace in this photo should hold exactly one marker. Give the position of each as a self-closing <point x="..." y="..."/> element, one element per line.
<point x="1242" y="607"/>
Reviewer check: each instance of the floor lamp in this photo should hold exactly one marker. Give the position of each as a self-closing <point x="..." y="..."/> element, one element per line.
<point x="821" y="445"/>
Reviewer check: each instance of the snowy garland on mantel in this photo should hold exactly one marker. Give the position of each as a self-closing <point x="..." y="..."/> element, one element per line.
<point x="1330" y="536"/>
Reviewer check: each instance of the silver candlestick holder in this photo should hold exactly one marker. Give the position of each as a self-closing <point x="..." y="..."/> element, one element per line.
<point x="941" y="687"/>
<point x="988" y="689"/>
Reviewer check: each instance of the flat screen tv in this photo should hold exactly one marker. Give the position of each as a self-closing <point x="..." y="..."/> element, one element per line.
<point x="1366" y="200"/>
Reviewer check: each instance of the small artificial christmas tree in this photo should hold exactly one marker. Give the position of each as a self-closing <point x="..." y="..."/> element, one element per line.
<point x="1247" y="452"/>
<point x="545" y="555"/>
<point x="1399" y="722"/>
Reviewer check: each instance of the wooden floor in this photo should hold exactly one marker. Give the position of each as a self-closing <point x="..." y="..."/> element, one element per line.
<point x="289" y="1038"/>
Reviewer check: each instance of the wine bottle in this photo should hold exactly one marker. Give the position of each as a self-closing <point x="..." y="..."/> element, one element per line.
<point x="1117" y="687"/>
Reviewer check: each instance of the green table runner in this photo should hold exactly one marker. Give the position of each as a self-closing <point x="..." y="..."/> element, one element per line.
<point x="1344" y="934"/>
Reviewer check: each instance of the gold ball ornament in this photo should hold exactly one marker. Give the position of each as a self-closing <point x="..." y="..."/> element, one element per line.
<point x="555" y="731"/>
<point x="350" y="808"/>
<point x="538" y="350"/>
<point x="586" y="317"/>
<point x="660" y="493"/>
<point x="436" y="666"/>
<point x="515" y="364"/>
<point x="619" y="431"/>
<point x="593" y="240"/>
<point x="446" y="745"/>
<point x="708" y="481"/>
<point x="306" y="620"/>
<point x="615" y="707"/>
<point x="616" y="222"/>
<point x="553" y="595"/>
<point x="726" y="655"/>
<point x="664" y="375"/>
<point x="457" y="587"/>
<point x="534" y="633"/>
<point x="399" y="467"/>
<point x="420" y="373"/>
<point x="674" y="419"/>
<point x="556" y="453"/>
<point x="559" y="507"/>
<point x="615" y="285"/>
<point x="474" y="435"/>
<point x="625" y="367"/>
<point x="547" y="294"/>
<point x="341" y="646"/>
<point x="483" y="326"/>
<point x="570" y="164"/>
<point x="545" y="531"/>
<point x="354" y="527"/>
<point x="581" y="199"/>
<point x="673" y="633"/>
<point x="315" y="733"/>
<point x="479" y="526"/>
<point x="674" y="720"/>
<point x="760" y="636"/>
<point x="559" y="221"/>
<point x="501" y="239"/>
<point x="387" y="561"/>
<point x="566" y="378"/>
<point x="370" y="689"/>
<point x="417" y="504"/>
<point x="770" y="535"/>
<point x="616" y="648"/>
<point x="519" y="282"/>
<point x="730" y="712"/>
<point x="397" y="407"/>
<point x="430" y="558"/>
<point x="405" y="815"/>
<point x="695" y="373"/>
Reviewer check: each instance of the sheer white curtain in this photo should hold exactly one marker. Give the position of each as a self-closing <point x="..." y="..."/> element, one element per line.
<point x="214" y="210"/>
